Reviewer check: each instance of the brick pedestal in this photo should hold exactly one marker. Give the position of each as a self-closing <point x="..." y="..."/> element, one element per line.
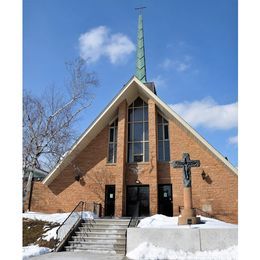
<point x="188" y="214"/>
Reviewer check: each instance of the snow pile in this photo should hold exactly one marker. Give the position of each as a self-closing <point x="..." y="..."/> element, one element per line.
<point x="158" y="221"/>
<point x="161" y="221"/>
<point x="50" y="234"/>
<point x="34" y="250"/>
<point x="58" y="218"/>
<point x="55" y="217"/>
<point x="149" y="251"/>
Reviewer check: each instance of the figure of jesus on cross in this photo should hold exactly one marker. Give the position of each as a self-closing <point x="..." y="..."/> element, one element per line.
<point x="188" y="214"/>
<point x="186" y="164"/>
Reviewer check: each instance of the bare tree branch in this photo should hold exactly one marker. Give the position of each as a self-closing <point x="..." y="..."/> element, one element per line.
<point x="49" y="121"/>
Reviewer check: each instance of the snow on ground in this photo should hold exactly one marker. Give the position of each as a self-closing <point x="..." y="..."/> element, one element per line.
<point x="50" y="234"/>
<point x="34" y="250"/>
<point x="58" y="218"/>
<point x="55" y="217"/>
<point x="161" y="221"/>
<point x="149" y="251"/>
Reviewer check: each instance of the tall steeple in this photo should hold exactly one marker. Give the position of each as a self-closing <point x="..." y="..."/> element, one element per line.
<point x="140" y="53"/>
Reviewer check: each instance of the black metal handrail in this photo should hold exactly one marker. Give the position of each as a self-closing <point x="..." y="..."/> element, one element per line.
<point x="69" y="224"/>
<point x="130" y="224"/>
<point x="95" y="210"/>
<point x="126" y="233"/>
<point x="79" y="206"/>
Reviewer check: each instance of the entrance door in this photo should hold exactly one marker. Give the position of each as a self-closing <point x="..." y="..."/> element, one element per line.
<point x="110" y="200"/>
<point x="165" y="199"/>
<point x="137" y="201"/>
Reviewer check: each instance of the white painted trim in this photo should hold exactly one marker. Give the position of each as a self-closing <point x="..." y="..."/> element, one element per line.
<point x="52" y="175"/>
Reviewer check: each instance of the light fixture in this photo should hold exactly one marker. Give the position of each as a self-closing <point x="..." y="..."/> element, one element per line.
<point x="203" y="175"/>
<point x="137" y="182"/>
<point x="77" y="177"/>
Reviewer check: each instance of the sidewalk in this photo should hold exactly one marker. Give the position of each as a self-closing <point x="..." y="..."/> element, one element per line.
<point x="80" y="255"/>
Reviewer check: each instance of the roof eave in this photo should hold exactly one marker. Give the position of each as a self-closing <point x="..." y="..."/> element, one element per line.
<point x="69" y="156"/>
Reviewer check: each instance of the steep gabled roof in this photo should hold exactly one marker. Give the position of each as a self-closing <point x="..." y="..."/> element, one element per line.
<point x="133" y="88"/>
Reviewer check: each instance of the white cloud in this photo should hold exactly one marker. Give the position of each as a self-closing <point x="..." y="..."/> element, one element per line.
<point x="233" y="139"/>
<point x="119" y="47"/>
<point x="178" y="65"/>
<point x="168" y="63"/>
<point x="182" y="67"/>
<point x="100" y="42"/>
<point x="207" y="113"/>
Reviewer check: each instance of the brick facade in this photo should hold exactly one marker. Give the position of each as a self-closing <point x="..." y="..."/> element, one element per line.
<point x="217" y="194"/>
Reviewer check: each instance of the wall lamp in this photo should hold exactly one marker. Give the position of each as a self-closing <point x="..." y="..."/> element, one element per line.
<point x="77" y="177"/>
<point x="204" y="175"/>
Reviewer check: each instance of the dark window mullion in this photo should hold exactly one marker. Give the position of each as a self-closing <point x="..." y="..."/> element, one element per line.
<point x="163" y="137"/>
<point x="132" y="154"/>
<point x="113" y="157"/>
<point x="114" y="138"/>
<point x="143" y="134"/>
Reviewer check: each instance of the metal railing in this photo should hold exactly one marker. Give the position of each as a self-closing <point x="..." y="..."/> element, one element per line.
<point x="132" y="223"/>
<point x="77" y="215"/>
<point x="92" y="207"/>
<point x="71" y="221"/>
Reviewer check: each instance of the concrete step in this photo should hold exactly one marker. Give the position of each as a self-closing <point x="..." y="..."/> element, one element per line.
<point x="100" y="236"/>
<point x="96" y="250"/>
<point x="104" y="225"/>
<point x="101" y="229"/>
<point x="111" y="239"/>
<point x="114" y="223"/>
<point x="118" y="221"/>
<point x="115" y="248"/>
<point x="99" y="244"/>
<point x="119" y="234"/>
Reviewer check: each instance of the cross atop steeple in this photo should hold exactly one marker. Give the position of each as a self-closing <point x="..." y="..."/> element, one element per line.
<point x="140" y="53"/>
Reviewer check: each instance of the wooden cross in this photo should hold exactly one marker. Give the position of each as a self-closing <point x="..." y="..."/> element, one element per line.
<point x="186" y="164"/>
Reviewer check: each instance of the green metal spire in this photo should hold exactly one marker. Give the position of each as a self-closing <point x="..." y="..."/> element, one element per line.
<point x="140" y="54"/>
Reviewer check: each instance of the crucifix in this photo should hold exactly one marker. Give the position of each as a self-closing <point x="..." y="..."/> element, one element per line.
<point x="188" y="214"/>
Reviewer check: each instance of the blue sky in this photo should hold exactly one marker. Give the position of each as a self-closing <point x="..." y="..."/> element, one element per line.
<point x="191" y="54"/>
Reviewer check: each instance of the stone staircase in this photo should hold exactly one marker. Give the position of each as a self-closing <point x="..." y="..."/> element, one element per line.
<point x="100" y="236"/>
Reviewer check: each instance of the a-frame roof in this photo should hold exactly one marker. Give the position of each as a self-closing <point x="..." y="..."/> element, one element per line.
<point x="129" y="92"/>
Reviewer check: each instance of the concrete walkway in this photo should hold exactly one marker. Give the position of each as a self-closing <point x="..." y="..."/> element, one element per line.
<point x="79" y="255"/>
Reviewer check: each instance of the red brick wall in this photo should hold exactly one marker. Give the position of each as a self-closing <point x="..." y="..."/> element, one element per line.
<point x="218" y="193"/>
<point x="218" y="196"/>
<point x="121" y="160"/>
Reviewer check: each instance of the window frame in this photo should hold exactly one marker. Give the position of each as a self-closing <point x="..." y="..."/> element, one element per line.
<point x="163" y="140"/>
<point x="131" y="141"/>
<point x="113" y="142"/>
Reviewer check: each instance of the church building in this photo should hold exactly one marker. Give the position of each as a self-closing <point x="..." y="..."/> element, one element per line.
<point x="123" y="161"/>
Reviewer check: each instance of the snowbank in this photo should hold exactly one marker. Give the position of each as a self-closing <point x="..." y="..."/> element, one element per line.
<point x="34" y="250"/>
<point x="50" y="234"/>
<point x="149" y="251"/>
<point x="161" y="221"/>
<point x="55" y="217"/>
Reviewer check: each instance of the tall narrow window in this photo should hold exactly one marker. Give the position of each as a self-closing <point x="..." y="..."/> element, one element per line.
<point x="138" y="141"/>
<point x="163" y="139"/>
<point x="112" y="144"/>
